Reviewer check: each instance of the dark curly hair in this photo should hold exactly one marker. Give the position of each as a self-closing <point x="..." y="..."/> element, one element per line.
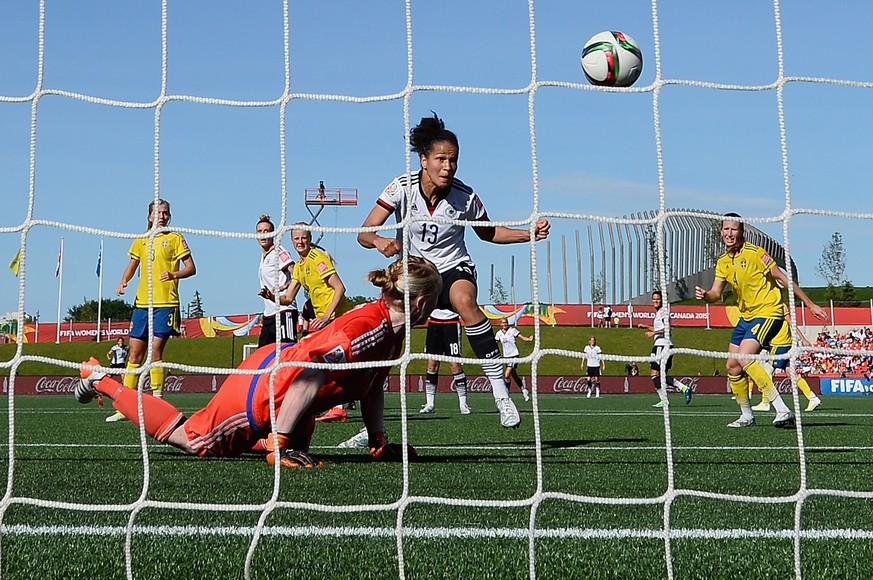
<point x="429" y="131"/>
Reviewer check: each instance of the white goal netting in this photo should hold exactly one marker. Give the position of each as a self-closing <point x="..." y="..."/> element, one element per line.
<point x="541" y="102"/>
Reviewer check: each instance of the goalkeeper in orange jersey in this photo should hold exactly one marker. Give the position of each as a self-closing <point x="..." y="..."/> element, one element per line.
<point x="237" y="419"/>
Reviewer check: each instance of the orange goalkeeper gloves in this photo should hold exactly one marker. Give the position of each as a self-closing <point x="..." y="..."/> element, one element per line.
<point x="288" y="457"/>
<point x="294" y="458"/>
<point x="381" y="450"/>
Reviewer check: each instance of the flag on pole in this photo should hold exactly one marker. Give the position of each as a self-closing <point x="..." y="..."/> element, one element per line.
<point x="99" y="259"/>
<point x="16" y="262"/>
<point x="60" y="259"/>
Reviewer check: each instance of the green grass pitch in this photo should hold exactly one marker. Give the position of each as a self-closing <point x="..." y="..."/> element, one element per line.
<point x="581" y="490"/>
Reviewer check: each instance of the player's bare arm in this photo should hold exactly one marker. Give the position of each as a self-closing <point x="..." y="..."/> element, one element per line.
<point x="711" y="295"/>
<point x="504" y="235"/>
<point x="373" y="409"/>
<point x="188" y="269"/>
<point x="388" y="247"/>
<point x="290" y="293"/>
<point x="299" y="398"/>
<point x="126" y="276"/>
<point x="782" y="278"/>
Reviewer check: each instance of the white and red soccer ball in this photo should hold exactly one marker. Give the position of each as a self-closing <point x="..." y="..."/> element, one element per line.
<point x="612" y="59"/>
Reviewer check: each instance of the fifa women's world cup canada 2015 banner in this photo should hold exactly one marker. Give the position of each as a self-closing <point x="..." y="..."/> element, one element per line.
<point x="632" y="315"/>
<point x="621" y="315"/>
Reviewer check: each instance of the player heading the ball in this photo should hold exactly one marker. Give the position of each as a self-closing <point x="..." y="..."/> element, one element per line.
<point x="435" y="198"/>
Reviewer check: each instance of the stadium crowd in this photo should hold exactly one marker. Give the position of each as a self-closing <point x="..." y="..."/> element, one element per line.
<point x="859" y="339"/>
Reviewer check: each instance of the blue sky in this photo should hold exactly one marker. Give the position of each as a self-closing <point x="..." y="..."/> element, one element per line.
<point x="222" y="166"/>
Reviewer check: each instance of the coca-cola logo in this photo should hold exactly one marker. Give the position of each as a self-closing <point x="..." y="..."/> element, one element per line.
<point x="57" y="385"/>
<point x="783" y="385"/>
<point x="479" y="385"/>
<point x="570" y="385"/>
<point x="173" y="384"/>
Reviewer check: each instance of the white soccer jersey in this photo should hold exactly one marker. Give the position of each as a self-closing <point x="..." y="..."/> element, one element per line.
<point x="274" y="272"/>
<point x="119" y="354"/>
<point x="593" y="356"/>
<point x="441" y="243"/>
<point x="659" y="325"/>
<point x="507" y="340"/>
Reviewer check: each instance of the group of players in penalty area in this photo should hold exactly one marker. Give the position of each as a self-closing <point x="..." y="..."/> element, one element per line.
<point x="439" y="274"/>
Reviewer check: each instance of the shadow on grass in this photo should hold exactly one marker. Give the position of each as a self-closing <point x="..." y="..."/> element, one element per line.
<point x="571" y="443"/>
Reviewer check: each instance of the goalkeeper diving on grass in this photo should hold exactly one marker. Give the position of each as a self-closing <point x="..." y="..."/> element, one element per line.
<point x="237" y="419"/>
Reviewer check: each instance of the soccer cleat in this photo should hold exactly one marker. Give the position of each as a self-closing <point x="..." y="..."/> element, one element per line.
<point x="742" y="422"/>
<point x="784" y="420"/>
<point x="117" y="416"/>
<point x="358" y="441"/>
<point x="588" y="396"/>
<point x="509" y="417"/>
<point x="427" y="409"/>
<point x="689" y="392"/>
<point x="762" y="406"/>
<point x="393" y="452"/>
<point x="526" y="394"/>
<point x="85" y="391"/>
<point x="334" y="415"/>
<point x="813" y="404"/>
<point x="660" y="404"/>
<point x="465" y="409"/>
<point x="294" y="458"/>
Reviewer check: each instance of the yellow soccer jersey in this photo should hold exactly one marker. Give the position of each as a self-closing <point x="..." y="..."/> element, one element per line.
<point x="757" y="293"/>
<point x="167" y="251"/>
<point x="312" y="273"/>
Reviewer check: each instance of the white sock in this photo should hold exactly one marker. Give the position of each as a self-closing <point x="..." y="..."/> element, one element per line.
<point x="498" y="387"/>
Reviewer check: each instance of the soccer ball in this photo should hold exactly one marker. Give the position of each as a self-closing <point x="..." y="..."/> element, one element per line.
<point x="612" y="59"/>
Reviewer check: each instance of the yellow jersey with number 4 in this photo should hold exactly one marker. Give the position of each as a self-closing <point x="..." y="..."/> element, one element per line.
<point x="748" y="272"/>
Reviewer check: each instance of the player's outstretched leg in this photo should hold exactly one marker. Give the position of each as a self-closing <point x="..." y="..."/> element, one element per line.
<point x="86" y="390"/>
<point x="160" y="418"/>
<point x="481" y="337"/>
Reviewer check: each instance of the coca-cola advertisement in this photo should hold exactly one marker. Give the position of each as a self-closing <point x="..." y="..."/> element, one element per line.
<point x="576" y="384"/>
<point x="64" y="385"/>
<point x="545" y="384"/>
